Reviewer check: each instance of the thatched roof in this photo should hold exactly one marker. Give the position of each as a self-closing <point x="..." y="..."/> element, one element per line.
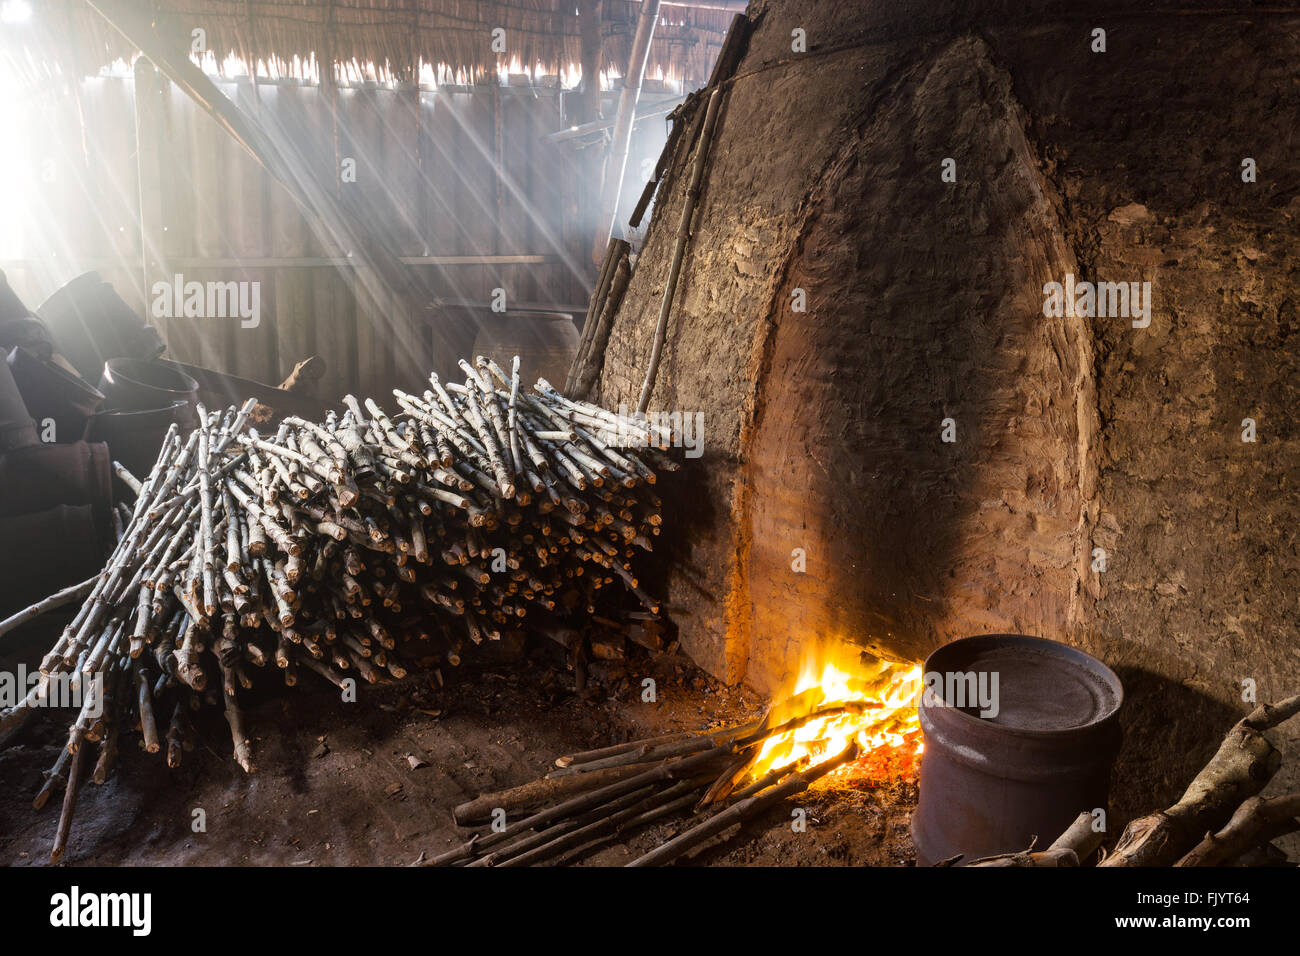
<point x="69" y="37"/>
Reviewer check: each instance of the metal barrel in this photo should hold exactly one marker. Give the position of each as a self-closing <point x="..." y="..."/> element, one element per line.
<point x="90" y="323"/>
<point x="544" y="342"/>
<point x="1020" y="735"/>
<point x="137" y="385"/>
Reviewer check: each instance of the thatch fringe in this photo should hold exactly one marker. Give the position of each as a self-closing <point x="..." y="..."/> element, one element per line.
<point x="70" y="38"/>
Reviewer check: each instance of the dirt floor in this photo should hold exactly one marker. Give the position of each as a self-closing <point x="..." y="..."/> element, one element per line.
<point x="374" y="782"/>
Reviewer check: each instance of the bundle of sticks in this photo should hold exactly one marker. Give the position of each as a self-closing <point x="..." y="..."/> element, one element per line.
<point x="605" y="794"/>
<point x="324" y="545"/>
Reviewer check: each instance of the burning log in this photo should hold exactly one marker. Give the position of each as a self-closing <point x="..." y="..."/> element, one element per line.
<point x="475" y="507"/>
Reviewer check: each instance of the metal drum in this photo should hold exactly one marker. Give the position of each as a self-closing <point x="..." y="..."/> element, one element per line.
<point x="90" y="323"/>
<point x="135" y="385"/>
<point x="544" y="342"/>
<point x="134" y="437"/>
<point x="1040" y="756"/>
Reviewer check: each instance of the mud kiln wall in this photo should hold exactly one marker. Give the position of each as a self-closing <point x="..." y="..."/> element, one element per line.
<point x="824" y="427"/>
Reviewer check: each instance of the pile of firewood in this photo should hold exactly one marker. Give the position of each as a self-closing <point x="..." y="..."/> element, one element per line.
<point x="328" y="546"/>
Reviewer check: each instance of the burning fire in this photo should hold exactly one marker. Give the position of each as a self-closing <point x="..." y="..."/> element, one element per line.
<point x="879" y="700"/>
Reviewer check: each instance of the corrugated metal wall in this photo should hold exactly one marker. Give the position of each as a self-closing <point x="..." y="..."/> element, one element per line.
<point x="446" y="173"/>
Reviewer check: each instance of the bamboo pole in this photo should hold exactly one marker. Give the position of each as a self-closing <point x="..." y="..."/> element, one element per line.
<point x="679" y="246"/>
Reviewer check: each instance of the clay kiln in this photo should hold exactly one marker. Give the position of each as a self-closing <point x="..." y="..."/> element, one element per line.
<point x="888" y="407"/>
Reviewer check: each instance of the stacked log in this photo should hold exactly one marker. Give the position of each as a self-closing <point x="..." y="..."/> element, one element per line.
<point x="327" y="545"/>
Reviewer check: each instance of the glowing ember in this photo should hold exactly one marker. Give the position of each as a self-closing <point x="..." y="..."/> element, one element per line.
<point x="879" y="700"/>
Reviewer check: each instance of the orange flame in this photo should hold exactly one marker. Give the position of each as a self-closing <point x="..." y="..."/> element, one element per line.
<point x="886" y="725"/>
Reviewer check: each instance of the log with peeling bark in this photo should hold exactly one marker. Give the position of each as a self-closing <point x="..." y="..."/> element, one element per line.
<point x="339" y="547"/>
<point x="1240" y="769"/>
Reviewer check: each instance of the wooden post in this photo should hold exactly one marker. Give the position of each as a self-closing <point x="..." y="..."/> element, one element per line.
<point x="622" y="140"/>
<point x="589" y="31"/>
<point x="498" y="167"/>
<point x="149" y="127"/>
<point x="585" y="203"/>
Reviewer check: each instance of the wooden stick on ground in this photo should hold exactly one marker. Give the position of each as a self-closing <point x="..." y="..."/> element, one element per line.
<point x="587" y="756"/>
<point x="668" y="796"/>
<point x="741" y="810"/>
<point x="535" y="793"/>
<point x="55" y="777"/>
<point x="69" y="805"/>
<point x="1080" y="841"/>
<point x="666" y="770"/>
<point x="529" y="842"/>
